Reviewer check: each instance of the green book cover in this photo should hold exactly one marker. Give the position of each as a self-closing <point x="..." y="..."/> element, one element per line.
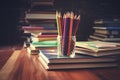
<point x="45" y="43"/>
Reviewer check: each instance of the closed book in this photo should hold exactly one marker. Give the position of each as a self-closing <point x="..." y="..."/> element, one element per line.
<point x="32" y="28"/>
<point x="51" y="57"/>
<point x="33" y="49"/>
<point x="108" y="32"/>
<point x="47" y="36"/>
<point x="50" y="61"/>
<point x="94" y="37"/>
<point x="106" y="35"/>
<point x="40" y="15"/>
<point x="45" y="43"/>
<point x="107" y="22"/>
<point x="97" y="48"/>
<point x="35" y="39"/>
<point x="107" y="28"/>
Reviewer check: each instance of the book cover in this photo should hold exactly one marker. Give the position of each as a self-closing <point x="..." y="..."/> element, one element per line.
<point x="97" y="54"/>
<point x="106" y="35"/>
<point x="97" y="48"/>
<point x="51" y="62"/>
<point x="33" y="49"/>
<point x="51" y="57"/>
<point x="107" y="32"/>
<point x="45" y="42"/>
<point x="104" y="20"/>
<point x="105" y="39"/>
<point x="107" y="28"/>
<point x="35" y="39"/>
<point x="40" y="15"/>
<point x="47" y="36"/>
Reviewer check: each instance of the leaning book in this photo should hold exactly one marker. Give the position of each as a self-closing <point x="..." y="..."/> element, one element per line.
<point x="50" y="60"/>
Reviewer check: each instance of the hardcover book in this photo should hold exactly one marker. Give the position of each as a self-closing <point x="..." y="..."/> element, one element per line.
<point x="94" y="37"/>
<point x="50" y="60"/>
<point x="97" y="48"/>
<point x="106" y="35"/>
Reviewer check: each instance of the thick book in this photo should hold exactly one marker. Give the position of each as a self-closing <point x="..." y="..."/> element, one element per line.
<point x="51" y="57"/>
<point x="50" y="60"/>
<point x="97" y="48"/>
<point x="76" y="66"/>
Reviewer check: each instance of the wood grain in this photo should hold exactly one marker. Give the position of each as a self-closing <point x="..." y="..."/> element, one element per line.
<point x="28" y="67"/>
<point x="8" y="67"/>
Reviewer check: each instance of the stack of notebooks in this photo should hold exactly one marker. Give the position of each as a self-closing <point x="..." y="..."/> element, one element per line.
<point x="85" y="57"/>
<point x="106" y="30"/>
<point x="41" y="38"/>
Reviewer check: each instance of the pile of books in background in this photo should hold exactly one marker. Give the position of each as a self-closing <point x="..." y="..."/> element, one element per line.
<point x="40" y="38"/>
<point x="106" y="30"/>
<point x="89" y="54"/>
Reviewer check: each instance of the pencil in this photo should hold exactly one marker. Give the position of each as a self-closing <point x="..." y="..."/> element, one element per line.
<point x="70" y="32"/>
<point x="57" y="23"/>
<point x="66" y="33"/>
<point x="77" y="23"/>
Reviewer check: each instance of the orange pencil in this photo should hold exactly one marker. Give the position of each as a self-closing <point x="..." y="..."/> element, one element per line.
<point x="70" y="33"/>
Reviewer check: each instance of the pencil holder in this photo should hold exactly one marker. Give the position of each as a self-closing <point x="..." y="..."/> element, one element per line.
<point x="66" y="46"/>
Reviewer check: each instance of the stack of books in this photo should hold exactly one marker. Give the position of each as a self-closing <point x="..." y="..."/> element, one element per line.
<point x="97" y="48"/>
<point x="88" y="59"/>
<point x="41" y="19"/>
<point x="41" y="38"/>
<point x="106" y="30"/>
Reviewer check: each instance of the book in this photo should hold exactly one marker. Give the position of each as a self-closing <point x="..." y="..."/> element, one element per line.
<point x="40" y="31"/>
<point x="54" y="43"/>
<point x="94" y="37"/>
<point x="76" y="66"/>
<point x="106" y="35"/>
<point x="107" y="28"/>
<point x="35" y="39"/>
<point x="47" y="36"/>
<point x="50" y="61"/>
<point x="51" y="56"/>
<point x="40" y="15"/>
<point x="96" y="54"/>
<point x="107" y="22"/>
<point x="39" y="28"/>
<point x="33" y="49"/>
<point x="97" y="48"/>
<point x="32" y="28"/>
<point x="107" y="32"/>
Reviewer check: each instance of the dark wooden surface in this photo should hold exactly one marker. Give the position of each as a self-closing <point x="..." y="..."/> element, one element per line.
<point x="28" y="67"/>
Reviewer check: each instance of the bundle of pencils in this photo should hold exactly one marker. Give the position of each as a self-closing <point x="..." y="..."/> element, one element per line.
<point x="67" y="25"/>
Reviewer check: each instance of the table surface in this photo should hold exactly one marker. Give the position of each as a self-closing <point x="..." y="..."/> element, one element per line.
<point x="23" y="66"/>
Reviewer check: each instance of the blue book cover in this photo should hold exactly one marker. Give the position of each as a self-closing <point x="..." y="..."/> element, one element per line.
<point x="108" y="28"/>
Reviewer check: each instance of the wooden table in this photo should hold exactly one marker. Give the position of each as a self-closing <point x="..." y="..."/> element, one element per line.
<point x="23" y="66"/>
